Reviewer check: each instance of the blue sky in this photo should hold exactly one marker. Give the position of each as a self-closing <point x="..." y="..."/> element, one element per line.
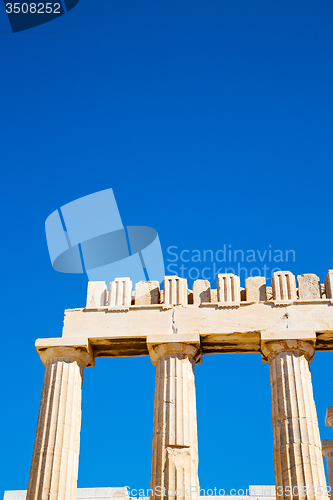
<point x="212" y="122"/>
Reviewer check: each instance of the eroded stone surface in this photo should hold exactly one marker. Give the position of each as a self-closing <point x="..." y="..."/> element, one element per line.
<point x="255" y="289"/>
<point x="147" y="292"/>
<point x="308" y="287"/>
<point x="96" y="294"/>
<point x="201" y="292"/>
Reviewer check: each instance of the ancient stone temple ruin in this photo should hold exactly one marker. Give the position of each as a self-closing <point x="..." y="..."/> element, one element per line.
<point x="176" y="327"/>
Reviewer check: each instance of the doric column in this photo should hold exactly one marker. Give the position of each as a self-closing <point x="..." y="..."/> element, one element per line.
<point x="299" y="467"/>
<point x="327" y="446"/>
<point x="54" y="468"/>
<point x="174" y="471"/>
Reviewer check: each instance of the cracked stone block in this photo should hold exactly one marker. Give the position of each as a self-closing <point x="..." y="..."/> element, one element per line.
<point x="96" y="294"/>
<point x="147" y="292"/>
<point x="201" y="292"/>
<point x="255" y="289"/>
<point x="308" y="286"/>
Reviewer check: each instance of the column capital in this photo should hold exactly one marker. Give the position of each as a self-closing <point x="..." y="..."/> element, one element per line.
<point x="78" y="349"/>
<point x="327" y="447"/>
<point x="287" y="340"/>
<point x="270" y="348"/>
<point x="329" y="416"/>
<point x="174" y="344"/>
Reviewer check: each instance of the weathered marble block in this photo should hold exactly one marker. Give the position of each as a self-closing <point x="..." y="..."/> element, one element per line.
<point x="147" y="292"/>
<point x="308" y="286"/>
<point x="201" y="292"/>
<point x="96" y="294"/>
<point x="255" y="289"/>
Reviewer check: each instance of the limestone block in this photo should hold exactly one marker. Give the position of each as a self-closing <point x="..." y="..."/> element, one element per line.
<point x="161" y="296"/>
<point x="147" y="292"/>
<point x="120" y="292"/>
<point x="96" y="294"/>
<point x="329" y="284"/>
<point x="175" y="291"/>
<point x="284" y="286"/>
<point x="228" y="288"/>
<point x="213" y="295"/>
<point x="269" y="293"/>
<point x="255" y="289"/>
<point x="308" y="286"/>
<point x="201" y="292"/>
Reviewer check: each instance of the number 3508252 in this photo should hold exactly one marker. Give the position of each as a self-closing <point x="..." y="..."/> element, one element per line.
<point x="33" y="8"/>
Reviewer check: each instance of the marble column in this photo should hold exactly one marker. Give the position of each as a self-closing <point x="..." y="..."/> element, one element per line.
<point x="327" y="446"/>
<point x="299" y="467"/>
<point x="174" y="471"/>
<point x="54" y="468"/>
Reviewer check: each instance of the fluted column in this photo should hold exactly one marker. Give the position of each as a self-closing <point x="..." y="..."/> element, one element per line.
<point x="299" y="467"/>
<point x="174" y="471"/>
<point x="54" y="468"/>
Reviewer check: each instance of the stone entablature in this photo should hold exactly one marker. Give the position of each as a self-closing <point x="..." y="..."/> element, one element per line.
<point x="225" y="320"/>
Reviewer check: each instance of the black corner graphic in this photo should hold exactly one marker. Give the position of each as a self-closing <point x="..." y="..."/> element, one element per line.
<point x="24" y="15"/>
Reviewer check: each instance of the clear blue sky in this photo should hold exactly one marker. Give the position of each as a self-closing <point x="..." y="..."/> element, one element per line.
<point x="212" y="121"/>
